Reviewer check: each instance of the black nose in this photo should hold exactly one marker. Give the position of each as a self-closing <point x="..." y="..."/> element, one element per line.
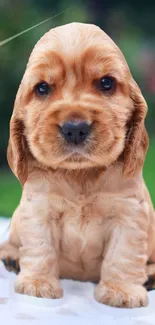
<point x="75" y="132"/>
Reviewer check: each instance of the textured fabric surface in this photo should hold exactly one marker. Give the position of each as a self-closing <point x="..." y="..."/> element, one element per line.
<point x="76" y="307"/>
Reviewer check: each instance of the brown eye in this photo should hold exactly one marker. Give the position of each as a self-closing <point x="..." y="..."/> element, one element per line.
<point x="106" y="84"/>
<point x="42" y="89"/>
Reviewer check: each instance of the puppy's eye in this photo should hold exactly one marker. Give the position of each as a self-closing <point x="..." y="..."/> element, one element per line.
<point x="106" y="84"/>
<point x="42" y="89"/>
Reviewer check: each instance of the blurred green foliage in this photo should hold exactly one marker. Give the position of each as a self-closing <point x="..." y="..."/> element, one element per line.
<point x="131" y="25"/>
<point x="10" y="193"/>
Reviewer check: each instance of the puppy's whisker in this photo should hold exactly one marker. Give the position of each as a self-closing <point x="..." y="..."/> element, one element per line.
<point x="9" y="39"/>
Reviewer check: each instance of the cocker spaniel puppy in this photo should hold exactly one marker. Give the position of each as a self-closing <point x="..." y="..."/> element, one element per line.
<point x="77" y="145"/>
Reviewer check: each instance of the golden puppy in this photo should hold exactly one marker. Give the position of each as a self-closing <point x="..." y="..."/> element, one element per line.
<point x="77" y="145"/>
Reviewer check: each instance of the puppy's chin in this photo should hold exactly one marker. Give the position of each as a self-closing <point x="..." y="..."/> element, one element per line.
<point x="77" y="157"/>
<point x="66" y="161"/>
<point x="75" y="161"/>
<point x="82" y="158"/>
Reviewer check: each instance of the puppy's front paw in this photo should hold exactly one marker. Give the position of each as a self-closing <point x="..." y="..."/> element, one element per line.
<point x="11" y="264"/>
<point x="120" y="294"/>
<point x="38" y="286"/>
<point x="9" y="255"/>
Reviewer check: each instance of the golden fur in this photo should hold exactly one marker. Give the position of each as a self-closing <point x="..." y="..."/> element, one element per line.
<point x="85" y="212"/>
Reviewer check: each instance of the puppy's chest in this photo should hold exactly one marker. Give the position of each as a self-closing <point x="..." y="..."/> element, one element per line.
<point x="81" y="228"/>
<point x="82" y="221"/>
<point x="85" y="221"/>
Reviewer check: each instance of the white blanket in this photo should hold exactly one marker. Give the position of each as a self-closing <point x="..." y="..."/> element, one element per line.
<point x="77" y="307"/>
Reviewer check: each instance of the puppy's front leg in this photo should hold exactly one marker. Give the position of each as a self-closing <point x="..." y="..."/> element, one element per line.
<point x="123" y="270"/>
<point x="39" y="234"/>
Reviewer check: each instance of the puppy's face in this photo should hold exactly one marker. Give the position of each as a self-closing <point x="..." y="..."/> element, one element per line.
<point x="75" y="99"/>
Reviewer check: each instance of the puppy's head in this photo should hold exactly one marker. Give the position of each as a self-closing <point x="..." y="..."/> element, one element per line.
<point x="78" y="105"/>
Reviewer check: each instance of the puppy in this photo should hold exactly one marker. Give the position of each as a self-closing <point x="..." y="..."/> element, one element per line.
<point x="77" y="145"/>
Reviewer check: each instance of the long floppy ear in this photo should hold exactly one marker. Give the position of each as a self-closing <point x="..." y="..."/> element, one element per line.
<point x="16" y="152"/>
<point x="137" y="138"/>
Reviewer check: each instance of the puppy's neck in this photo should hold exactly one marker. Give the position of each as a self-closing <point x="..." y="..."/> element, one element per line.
<point x="83" y="175"/>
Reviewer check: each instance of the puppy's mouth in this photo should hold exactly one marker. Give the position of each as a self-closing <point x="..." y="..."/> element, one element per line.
<point x="77" y="152"/>
<point x="76" y="157"/>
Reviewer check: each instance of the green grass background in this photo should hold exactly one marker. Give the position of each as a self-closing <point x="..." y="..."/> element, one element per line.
<point x="10" y="189"/>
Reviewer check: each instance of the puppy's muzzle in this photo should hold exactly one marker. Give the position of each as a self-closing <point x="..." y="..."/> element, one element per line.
<point x="75" y="132"/>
